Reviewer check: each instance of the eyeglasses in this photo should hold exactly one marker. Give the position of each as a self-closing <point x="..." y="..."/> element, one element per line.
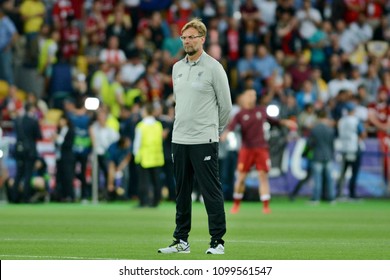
<point x="183" y="38"/>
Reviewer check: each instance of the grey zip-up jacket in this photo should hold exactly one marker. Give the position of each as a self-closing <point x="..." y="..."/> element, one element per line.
<point x="203" y="103"/>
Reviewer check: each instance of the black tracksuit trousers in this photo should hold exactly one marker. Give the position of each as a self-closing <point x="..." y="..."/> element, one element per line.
<point x="198" y="164"/>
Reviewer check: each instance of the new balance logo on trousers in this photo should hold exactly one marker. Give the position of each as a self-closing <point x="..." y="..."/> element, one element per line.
<point x="206" y="158"/>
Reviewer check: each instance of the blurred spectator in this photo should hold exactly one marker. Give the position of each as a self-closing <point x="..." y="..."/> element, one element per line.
<point x="155" y="80"/>
<point x="70" y="38"/>
<point x="28" y="133"/>
<point x="267" y="9"/>
<point x="358" y="32"/>
<point x="284" y="34"/>
<point x="132" y="6"/>
<point x="100" y="84"/>
<point x="166" y="118"/>
<point x="362" y="95"/>
<point x="32" y="13"/>
<point x="149" y="155"/>
<point x="265" y="63"/>
<point x="107" y="7"/>
<point x="356" y="79"/>
<point x="340" y="82"/>
<point x="143" y="47"/>
<point x="320" y="87"/>
<point x="62" y="11"/>
<point x="249" y="34"/>
<point x="375" y="10"/>
<point x="119" y="156"/>
<point x="64" y="141"/>
<point x="81" y="121"/>
<point x="317" y="44"/>
<point x="306" y="121"/>
<point x="386" y="82"/>
<point x="12" y="10"/>
<point x="289" y="108"/>
<point x="233" y="41"/>
<point x="249" y="14"/>
<point x="284" y="6"/>
<point x="361" y="110"/>
<point x="155" y="25"/>
<point x="306" y="96"/>
<point x="12" y="105"/>
<point x="60" y="84"/>
<point x="172" y="45"/>
<point x="39" y="104"/>
<point x="119" y="25"/>
<point x="309" y="20"/>
<point x="132" y="70"/>
<point x="95" y="24"/>
<point x="115" y="99"/>
<point x="321" y="141"/>
<point x="80" y="86"/>
<point x="48" y="54"/>
<point x="102" y="137"/>
<point x="180" y="12"/>
<point x="92" y="52"/>
<point x="246" y="67"/>
<point x="113" y="56"/>
<point x="381" y="31"/>
<point x="8" y="36"/>
<point x="338" y="104"/>
<point x="78" y="7"/>
<point x="300" y="72"/>
<point x="372" y="82"/>
<point x="350" y="133"/>
<point x="353" y="8"/>
<point x="129" y="120"/>
<point x="207" y="10"/>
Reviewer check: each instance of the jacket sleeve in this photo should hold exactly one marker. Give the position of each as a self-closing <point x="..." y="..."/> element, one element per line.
<point x="222" y="91"/>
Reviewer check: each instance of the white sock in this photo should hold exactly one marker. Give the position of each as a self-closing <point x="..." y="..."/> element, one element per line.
<point x="265" y="197"/>
<point x="238" y="196"/>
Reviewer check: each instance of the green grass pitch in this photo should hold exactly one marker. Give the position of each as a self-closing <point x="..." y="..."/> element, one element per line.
<point x="294" y="231"/>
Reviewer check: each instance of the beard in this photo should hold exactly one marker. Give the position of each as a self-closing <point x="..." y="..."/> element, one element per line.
<point x="190" y="51"/>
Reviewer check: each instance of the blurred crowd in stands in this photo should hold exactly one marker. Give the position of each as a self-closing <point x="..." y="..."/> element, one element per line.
<point x="306" y="56"/>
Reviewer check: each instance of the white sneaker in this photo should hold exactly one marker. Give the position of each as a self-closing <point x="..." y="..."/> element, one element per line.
<point x="216" y="249"/>
<point x="178" y="246"/>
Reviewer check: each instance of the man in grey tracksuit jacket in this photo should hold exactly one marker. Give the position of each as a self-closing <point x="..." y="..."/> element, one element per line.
<point x="203" y="105"/>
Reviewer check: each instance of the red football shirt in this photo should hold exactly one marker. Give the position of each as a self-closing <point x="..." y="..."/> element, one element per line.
<point x="251" y="122"/>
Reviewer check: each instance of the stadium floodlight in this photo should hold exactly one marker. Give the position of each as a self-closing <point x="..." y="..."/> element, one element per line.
<point x="92" y="103"/>
<point x="273" y="110"/>
<point x="1" y="153"/>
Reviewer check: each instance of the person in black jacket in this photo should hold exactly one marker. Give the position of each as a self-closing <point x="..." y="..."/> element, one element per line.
<point x="65" y="159"/>
<point x="28" y="133"/>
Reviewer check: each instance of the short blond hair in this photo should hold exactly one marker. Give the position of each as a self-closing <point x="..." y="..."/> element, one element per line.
<point x="197" y="24"/>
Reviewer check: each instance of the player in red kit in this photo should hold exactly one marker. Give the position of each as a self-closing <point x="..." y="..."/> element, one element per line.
<point x="254" y="149"/>
<point x="379" y="117"/>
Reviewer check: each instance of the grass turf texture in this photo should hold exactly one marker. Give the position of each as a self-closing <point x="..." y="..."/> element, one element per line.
<point x="294" y="231"/>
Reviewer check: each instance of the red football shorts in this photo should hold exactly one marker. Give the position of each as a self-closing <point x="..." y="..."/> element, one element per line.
<point x="249" y="157"/>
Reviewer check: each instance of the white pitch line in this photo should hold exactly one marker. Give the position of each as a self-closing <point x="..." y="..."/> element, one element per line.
<point x="53" y="257"/>
<point x="42" y="240"/>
